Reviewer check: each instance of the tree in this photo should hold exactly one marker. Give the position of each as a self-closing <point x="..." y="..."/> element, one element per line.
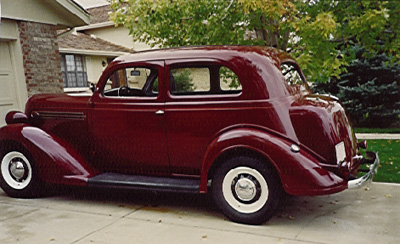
<point x="320" y="34"/>
<point x="370" y="90"/>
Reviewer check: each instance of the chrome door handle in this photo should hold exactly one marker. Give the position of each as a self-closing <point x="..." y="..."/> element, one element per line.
<point x="159" y="112"/>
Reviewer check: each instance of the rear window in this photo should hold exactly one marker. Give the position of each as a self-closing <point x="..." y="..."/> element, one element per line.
<point x="293" y="78"/>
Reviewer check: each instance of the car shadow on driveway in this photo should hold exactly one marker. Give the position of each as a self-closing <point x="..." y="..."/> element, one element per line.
<point x="292" y="210"/>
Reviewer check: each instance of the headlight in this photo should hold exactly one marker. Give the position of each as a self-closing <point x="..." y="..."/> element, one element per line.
<point x="340" y="152"/>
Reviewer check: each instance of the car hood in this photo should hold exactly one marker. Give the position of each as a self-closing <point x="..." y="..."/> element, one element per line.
<point x="57" y="103"/>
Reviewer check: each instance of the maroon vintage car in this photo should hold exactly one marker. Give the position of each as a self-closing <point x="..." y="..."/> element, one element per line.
<point x="238" y="122"/>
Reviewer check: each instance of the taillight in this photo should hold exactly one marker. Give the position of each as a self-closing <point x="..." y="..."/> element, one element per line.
<point x="362" y="144"/>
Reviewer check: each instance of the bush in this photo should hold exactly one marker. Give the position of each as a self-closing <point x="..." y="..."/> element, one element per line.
<point x="370" y="91"/>
<point x="183" y="81"/>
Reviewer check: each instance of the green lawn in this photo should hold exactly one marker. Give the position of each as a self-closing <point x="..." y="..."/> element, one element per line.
<point x="377" y="130"/>
<point x="389" y="155"/>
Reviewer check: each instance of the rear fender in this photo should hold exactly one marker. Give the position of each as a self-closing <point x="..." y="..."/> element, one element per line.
<point x="55" y="159"/>
<point x="300" y="172"/>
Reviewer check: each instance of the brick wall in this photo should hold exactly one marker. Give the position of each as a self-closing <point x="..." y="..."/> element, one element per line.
<point x="41" y="58"/>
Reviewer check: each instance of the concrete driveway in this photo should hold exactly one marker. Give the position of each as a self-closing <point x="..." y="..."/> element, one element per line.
<point x="99" y="216"/>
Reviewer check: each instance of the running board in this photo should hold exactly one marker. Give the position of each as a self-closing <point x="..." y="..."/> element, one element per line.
<point x="115" y="180"/>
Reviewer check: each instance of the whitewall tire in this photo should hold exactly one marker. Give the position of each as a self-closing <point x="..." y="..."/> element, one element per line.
<point x="247" y="190"/>
<point x="17" y="175"/>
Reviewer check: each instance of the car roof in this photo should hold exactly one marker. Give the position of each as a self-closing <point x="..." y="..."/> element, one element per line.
<point x="224" y="52"/>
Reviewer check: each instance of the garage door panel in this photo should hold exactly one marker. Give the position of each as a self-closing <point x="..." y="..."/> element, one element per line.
<point x="8" y="93"/>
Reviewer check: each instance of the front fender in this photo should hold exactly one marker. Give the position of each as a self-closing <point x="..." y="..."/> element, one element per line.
<point x="55" y="159"/>
<point x="300" y="172"/>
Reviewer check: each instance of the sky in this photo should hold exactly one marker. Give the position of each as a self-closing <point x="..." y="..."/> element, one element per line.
<point x="91" y="3"/>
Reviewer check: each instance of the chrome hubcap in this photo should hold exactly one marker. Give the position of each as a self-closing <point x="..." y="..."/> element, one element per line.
<point x="245" y="189"/>
<point x="17" y="169"/>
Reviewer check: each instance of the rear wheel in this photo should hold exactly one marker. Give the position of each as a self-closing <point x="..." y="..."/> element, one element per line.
<point x="247" y="190"/>
<point x="17" y="174"/>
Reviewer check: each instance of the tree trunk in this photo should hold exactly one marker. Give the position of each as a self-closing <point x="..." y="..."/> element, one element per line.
<point x="269" y="36"/>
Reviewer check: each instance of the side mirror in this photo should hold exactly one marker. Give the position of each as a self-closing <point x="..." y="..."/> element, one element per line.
<point x="92" y="87"/>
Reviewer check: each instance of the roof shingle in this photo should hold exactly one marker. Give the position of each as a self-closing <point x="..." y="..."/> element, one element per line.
<point x="83" y="41"/>
<point x="99" y="14"/>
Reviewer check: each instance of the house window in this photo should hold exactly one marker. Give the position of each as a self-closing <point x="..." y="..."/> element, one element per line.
<point x="73" y="71"/>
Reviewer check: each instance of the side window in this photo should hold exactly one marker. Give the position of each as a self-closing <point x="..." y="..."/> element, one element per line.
<point x="229" y="80"/>
<point x="190" y="80"/>
<point x="210" y="80"/>
<point x="132" y="82"/>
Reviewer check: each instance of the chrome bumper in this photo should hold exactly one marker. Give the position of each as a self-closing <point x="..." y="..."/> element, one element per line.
<point x="373" y="160"/>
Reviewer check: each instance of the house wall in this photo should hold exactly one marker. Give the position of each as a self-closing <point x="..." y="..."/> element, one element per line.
<point x="117" y="35"/>
<point x="62" y="12"/>
<point x="41" y="58"/>
<point x="95" y="67"/>
<point x="29" y="60"/>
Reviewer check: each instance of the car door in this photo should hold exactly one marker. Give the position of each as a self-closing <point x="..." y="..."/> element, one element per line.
<point x="202" y="100"/>
<point x="127" y="120"/>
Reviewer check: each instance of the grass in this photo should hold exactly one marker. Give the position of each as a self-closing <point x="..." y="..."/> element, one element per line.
<point x="389" y="155"/>
<point x="377" y="130"/>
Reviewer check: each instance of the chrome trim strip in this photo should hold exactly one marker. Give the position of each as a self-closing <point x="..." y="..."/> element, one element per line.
<point x="367" y="178"/>
<point x="58" y="115"/>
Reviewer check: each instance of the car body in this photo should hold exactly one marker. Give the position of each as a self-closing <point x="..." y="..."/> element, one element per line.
<point x="237" y="121"/>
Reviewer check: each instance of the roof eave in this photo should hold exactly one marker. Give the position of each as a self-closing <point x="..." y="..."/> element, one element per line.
<point x="95" y="26"/>
<point x="82" y="17"/>
<point x="92" y="52"/>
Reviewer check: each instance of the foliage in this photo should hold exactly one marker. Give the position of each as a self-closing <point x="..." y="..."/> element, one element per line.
<point x="370" y="91"/>
<point x="183" y="81"/>
<point x="228" y="77"/>
<point x="318" y="33"/>
<point x="155" y="86"/>
<point x="368" y="23"/>
<point x="179" y="22"/>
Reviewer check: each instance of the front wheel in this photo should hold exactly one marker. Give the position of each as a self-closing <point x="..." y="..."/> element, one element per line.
<point x="17" y="174"/>
<point x="247" y="190"/>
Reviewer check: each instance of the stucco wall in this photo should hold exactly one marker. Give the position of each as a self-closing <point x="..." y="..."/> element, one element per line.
<point x="56" y="12"/>
<point x="118" y="35"/>
<point x="95" y="67"/>
<point x="41" y="58"/>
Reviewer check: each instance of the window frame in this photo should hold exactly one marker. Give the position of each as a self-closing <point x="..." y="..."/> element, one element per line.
<point x="200" y="63"/>
<point x="153" y="66"/>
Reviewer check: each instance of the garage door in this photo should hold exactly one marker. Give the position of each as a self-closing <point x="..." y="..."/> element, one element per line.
<point x="8" y="96"/>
